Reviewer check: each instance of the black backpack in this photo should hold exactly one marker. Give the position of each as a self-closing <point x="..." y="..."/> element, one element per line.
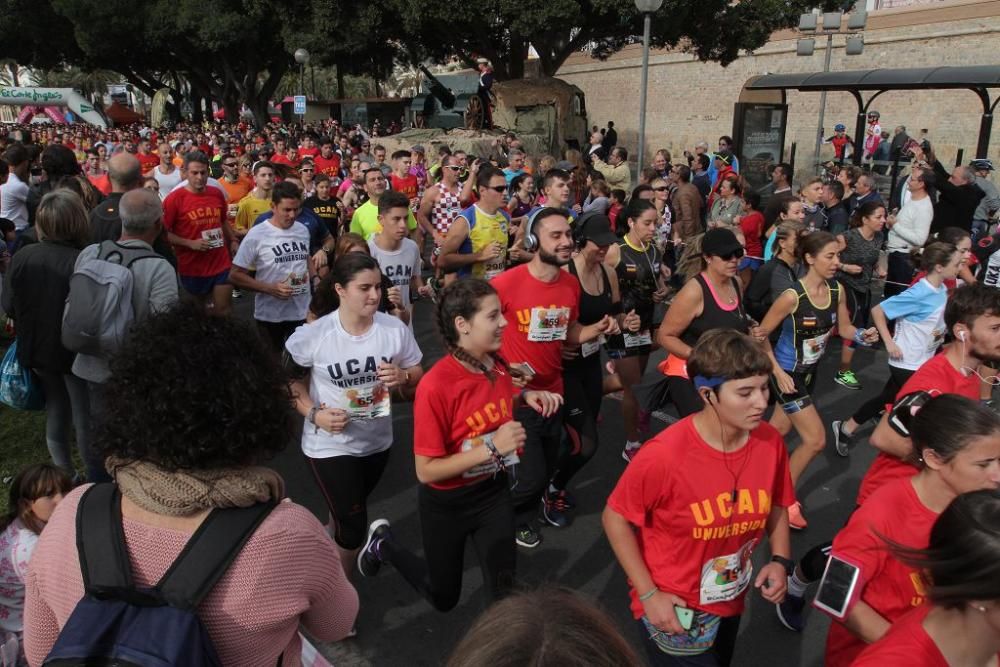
<point x="117" y="624"/>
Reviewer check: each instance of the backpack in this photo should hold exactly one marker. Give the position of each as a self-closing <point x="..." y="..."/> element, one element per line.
<point x="116" y="623"/>
<point x="98" y="310"/>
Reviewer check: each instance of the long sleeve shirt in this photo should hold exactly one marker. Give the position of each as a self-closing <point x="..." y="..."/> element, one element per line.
<point x="913" y="224"/>
<point x="618" y="177"/>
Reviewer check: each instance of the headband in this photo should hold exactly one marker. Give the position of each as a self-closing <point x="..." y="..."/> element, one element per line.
<point x="701" y="381"/>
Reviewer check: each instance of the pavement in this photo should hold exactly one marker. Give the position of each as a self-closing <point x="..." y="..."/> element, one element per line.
<point x="397" y="627"/>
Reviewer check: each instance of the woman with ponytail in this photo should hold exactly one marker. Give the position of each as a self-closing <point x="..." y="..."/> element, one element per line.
<point x="465" y="442"/>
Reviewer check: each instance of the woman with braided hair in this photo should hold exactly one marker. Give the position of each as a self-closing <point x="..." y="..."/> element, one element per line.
<point x="465" y="440"/>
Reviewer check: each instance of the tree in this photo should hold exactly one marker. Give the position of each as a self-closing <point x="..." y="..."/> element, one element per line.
<point x="502" y="30"/>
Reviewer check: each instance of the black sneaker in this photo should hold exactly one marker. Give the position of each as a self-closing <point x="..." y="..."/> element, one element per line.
<point x="555" y="510"/>
<point x="526" y="536"/>
<point x="841" y="440"/>
<point x="369" y="560"/>
<point x="790" y="612"/>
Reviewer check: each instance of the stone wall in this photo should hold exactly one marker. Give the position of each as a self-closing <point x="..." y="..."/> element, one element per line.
<point x="691" y="101"/>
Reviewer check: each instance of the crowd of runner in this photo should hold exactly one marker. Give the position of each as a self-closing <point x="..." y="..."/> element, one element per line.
<point x="553" y="281"/>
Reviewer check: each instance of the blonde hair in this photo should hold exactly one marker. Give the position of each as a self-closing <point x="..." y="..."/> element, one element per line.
<point x="62" y="217"/>
<point x="691" y="262"/>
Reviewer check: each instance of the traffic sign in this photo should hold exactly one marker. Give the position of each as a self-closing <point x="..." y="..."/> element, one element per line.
<point x="300" y="104"/>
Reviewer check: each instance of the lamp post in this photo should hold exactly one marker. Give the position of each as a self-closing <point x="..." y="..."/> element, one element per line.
<point x="831" y="26"/>
<point x="302" y="57"/>
<point x="647" y="7"/>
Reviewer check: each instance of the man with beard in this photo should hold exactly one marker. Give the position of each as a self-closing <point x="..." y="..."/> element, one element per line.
<point x="541" y="303"/>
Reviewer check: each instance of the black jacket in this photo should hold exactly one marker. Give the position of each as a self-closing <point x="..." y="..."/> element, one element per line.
<point x="956" y="204"/>
<point x="106" y="225"/>
<point x="34" y="295"/>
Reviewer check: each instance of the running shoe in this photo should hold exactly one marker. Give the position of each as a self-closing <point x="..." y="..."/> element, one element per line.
<point x="847" y="379"/>
<point x="791" y="612"/>
<point x="841" y="440"/>
<point x="237" y="294"/>
<point x="555" y="510"/>
<point x="369" y="560"/>
<point x="628" y="453"/>
<point x="796" y="521"/>
<point x="526" y="536"/>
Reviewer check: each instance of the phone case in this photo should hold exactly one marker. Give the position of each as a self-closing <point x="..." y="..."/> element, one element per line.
<point x="685" y="616"/>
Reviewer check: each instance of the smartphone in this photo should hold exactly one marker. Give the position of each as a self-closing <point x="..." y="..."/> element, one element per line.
<point x="836" y="588"/>
<point x="685" y="616"/>
<point x="527" y="368"/>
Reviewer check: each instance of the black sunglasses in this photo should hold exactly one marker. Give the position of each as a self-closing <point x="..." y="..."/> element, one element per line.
<point x="498" y="188"/>
<point x="661" y="189"/>
<point x="230" y="164"/>
<point x="732" y="254"/>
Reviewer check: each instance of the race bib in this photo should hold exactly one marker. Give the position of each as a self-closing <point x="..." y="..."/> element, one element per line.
<point x="299" y="282"/>
<point x="637" y="339"/>
<point x="548" y="324"/>
<point x="488" y="467"/>
<point x="812" y="348"/>
<point x="726" y="577"/>
<point x="369" y="402"/>
<point x="213" y="236"/>
<point x="495" y="267"/>
<point x="590" y="347"/>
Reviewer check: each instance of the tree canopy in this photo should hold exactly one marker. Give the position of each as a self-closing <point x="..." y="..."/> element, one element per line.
<point x="237" y="51"/>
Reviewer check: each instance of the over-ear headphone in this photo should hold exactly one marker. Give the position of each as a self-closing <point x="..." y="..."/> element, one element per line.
<point x="530" y="239"/>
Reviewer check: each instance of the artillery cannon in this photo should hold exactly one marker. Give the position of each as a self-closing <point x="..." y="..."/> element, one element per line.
<point x="448" y="101"/>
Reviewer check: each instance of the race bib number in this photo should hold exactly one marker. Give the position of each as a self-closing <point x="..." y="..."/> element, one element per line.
<point x="726" y="577"/>
<point x="590" y="347"/>
<point x="495" y="267"/>
<point x="299" y="282"/>
<point x="812" y="348"/>
<point x="213" y="236"/>
<point x="369" y="402"/>
<point x="488" y="467"/>
<point x="548" y="324"/>
<point x="637" y="339"/>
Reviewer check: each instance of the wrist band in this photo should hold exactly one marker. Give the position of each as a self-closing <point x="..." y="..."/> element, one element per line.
<point x="649" y="594"/>
<point x="312" y="415"/>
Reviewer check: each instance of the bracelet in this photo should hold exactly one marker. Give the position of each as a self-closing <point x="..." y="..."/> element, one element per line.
<point x="496" y="456"/>
<point x="649" y="594"/>
<point x="312" y="415"/>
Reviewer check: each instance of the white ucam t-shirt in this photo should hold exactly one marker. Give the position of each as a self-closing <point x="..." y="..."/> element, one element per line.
<point x="399" y="266"/>
<point x="278" y="256"/>
<point x="345" y="375"/>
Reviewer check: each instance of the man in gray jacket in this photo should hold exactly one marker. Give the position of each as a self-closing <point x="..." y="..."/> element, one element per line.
<point x="988" y="205"/>
<point x="154" y="281"/>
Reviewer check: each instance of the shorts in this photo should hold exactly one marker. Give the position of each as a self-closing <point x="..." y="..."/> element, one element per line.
<point x="750" y="263"/>
<point x="617" y="349"/>
<point x="203" y="285"/>
<point x="801" y="397"/>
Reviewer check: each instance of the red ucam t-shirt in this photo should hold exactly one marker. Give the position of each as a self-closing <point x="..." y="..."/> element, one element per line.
<point x="538" y="316"/>
<point x="329" y="166"/>
<point x="148" y="162"/>
<point x="906" y="643"/>
<point x="458" y="410"/>
<point x="938" y="376"/>
<point x="695" y="539"/>
<point x="408" y="185"/>
<point x="193" y="216"/>
<point x="308" y="152"/>
<point x="889" y="587"/>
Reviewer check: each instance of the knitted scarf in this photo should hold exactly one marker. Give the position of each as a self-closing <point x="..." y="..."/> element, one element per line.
<point x="187" y="492"/>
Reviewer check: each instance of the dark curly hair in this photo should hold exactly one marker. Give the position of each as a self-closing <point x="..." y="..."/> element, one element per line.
<point x="196" y="392"/>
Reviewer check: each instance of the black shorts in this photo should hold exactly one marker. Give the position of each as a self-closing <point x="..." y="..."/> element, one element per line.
<point x="801" y="397"/>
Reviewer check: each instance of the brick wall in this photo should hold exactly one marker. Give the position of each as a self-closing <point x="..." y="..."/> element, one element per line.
<point x="691" y="101"/>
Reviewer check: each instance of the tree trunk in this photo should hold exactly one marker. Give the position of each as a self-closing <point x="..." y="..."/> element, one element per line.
<point x="378" y="88"/>
<point x="231" y="103"/>
<point x="197" y="114"/>
<point x="340" y="82"/>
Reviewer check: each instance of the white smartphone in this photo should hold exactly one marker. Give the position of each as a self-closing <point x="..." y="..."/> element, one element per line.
<point x="836" y="588"/>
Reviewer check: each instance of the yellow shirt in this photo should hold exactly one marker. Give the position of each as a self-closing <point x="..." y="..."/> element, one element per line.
<point x="484" y="229"/>
<point x="365" y="221"/>
<point x="250" y="208"/>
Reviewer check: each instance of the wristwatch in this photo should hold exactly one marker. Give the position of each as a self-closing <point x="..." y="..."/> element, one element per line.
<point x="787" y="563"/>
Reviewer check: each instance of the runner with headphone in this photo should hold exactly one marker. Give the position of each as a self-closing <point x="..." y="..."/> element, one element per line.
<point x="695" y="502"/>
<point x="542" y="303"/>
<point x="466" y="440"/>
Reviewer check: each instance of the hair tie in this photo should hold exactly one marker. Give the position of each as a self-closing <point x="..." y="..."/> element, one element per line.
<point x="700" y="381"/>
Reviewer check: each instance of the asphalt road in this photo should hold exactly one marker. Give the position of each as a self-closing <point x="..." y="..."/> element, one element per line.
<point x="397" y="627"/>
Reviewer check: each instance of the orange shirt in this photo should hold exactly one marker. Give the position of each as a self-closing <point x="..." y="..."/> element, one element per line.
<point x="238" y="190"/>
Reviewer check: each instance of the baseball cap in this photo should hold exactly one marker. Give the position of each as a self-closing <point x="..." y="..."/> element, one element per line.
<point x="565" y="165"/>
<point x="719" y="242"/>
<point x="839" y="127"/>
<point x="595" y="227"/>
<point x="982" y="164"/>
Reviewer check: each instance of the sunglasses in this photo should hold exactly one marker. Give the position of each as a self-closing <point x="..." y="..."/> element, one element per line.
<point x="661" y="189"/>
<point x="498" y="188"/>
<point x="307" y="171"/>
<point x="732" y="254"/>
<point x="453" y="167"/>
<point x="230" y="164"/>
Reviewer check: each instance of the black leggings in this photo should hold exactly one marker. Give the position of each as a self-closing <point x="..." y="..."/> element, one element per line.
<point x="582" y="393"/>
<point x="448" y="518"/>
<point x="346" y="483"/>
<point x="874" y="405"/>
<point x="538" y="462"/>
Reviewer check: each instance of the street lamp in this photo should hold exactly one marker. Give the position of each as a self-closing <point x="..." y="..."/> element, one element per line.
<point x="302" y="57"/>
<point x="831" y="26"/>
<point x="647" y="7"/>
